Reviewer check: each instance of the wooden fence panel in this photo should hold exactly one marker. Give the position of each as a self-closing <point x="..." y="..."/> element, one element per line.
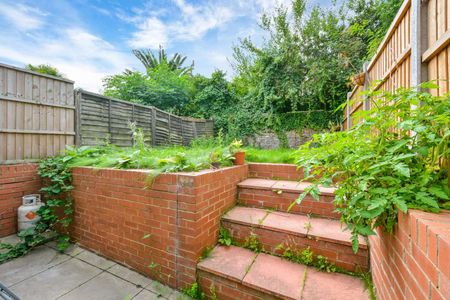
<point x="102" y="119"/>
<point x="394" y="63"/>
<point x="37" y="115"/>
<point x="438" y="52"/>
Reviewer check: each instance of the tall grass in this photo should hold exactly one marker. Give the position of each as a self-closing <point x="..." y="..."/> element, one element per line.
<point x="286" y="156"/>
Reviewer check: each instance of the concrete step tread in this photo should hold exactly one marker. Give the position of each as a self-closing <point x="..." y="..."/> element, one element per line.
<point x="280" y="278"/>
<point x="282" y="185"/>
<point x="294" y="224"/>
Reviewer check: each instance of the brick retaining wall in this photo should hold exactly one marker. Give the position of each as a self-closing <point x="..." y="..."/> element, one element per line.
<point x="413" y="263"/>
<point x="275" y="171"/>
<point x="15" y="182"/>
<point x="114" y="210"/>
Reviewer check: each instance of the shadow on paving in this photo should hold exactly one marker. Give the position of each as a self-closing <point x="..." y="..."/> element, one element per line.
<point x="46" y="274"/>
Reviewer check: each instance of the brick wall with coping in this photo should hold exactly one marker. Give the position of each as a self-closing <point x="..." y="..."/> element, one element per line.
<point x="115" y="210"/>
<point x="15" y="182"/>
<point x="414" y="262"/>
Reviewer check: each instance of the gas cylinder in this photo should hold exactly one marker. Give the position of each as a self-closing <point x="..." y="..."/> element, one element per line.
<point x="27" y="212"/>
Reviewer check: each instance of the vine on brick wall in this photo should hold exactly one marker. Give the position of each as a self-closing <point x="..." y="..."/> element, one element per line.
<point x="55" y="215"/>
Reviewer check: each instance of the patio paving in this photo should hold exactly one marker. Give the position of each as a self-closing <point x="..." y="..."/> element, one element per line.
<point x="46" y="274"/>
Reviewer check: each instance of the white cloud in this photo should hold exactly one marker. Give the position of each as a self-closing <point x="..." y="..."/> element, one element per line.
<point x="191" y="24"/>
<point x="80" y="55"/>
<point x="152" y="33"/>
<point x="21" y="16"/>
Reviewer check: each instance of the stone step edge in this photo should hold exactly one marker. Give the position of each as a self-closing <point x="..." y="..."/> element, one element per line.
<point x="362" y="245"/>
<point x="326" y="191"/>
<point x="259" y="288"/>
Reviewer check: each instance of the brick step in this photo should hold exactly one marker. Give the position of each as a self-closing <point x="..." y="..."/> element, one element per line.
<point x="237" y="273"/>
<point x="279" y="195"/>
<point x="324" y="237"/>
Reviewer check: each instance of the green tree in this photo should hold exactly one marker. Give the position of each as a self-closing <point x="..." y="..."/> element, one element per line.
<point x="370" y="20"/>
<point x="162" y="87"/>
<point x="150" y="61"/>
<point x="44" y="69"/>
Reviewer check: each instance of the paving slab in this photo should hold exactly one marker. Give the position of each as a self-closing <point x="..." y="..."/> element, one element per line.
<point x="245" y="215"/>
<point x="276" y="276"/>
<point x="95" y="260"/>
<point x="160" y="289"/>
<point x="286" y="185"/>
<point x="333" y="286"/>
<point x="10" y="239"/>
<point x="176" y="295"/>
<point x="147" y="295"/>
<point x="55" y="281"/>
<point x="130" y="275"/>
<point x="104" y="286"/>
<point x="231" y="262"/>
<point x="72" y="250"/>
<point x="286" y="222"/>
<point x="38" y="260"/>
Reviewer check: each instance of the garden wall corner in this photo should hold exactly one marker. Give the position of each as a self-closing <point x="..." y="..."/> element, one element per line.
<point x="161" y="230"/>
<point x="414" y="262"/>
<point x="15" y="182"/>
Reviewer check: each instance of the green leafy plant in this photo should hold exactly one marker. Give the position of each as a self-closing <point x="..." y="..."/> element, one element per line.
<point x="225" y="236"/>
<point x="206" y="252"/>
<point x="304" y="256"/>
<point x="212" y="290"/>
<point x="194" y="291"/>
<point x="395" y="158"/>
<point x="55" y="215"/>
<point x="323" y="264"/>
<point x="252" y="243"/>
<point x="235" y="146"/>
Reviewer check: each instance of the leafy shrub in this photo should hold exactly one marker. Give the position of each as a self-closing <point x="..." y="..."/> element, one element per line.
<point x="394" y="159"/>
<point x="225" y="237"/>
<point x="194" y="291"/>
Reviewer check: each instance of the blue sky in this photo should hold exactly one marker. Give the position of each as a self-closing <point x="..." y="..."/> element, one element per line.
<point x="90" y="39"/>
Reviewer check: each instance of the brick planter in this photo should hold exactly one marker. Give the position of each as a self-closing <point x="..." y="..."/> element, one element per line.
<point x="115" y="209"/>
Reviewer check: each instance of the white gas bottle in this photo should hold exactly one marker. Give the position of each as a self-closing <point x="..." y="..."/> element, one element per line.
<point x="27" y="212"/>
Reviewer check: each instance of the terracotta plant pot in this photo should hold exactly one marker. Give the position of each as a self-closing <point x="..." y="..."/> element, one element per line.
<point x="359" y="79"/>
<point x="239" y="158"/>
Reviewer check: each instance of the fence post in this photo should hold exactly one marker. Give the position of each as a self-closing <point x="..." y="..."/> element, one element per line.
<point x="348" y="110"/>
<point x="109" y="120"/>
<point x="194" y="129"/>
<point x="77" y="97"/>
<point x="153" y="126"/>
<point x="366" y="104"/>
<point x="170" y="131"/>
<point x="419" y="41"/>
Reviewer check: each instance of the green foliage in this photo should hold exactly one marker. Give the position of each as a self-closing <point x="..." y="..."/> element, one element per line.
<point x="323" y="264"/>
<point x="206" y="252"/>
<point x="44" y="69"/>
<point x="149" y="60"/>
<point x="225" y="237"/>
<point x="167" y="89"/>
<point x="252" y="243"/>
<point x="302" y="256"/>
<point x="317" y="120"/>
<point x="29" y="239"/>
<point x="370" y="22"/>
<point x="286" y="156"/>
<point x="194" y="291"/>
<point x="394" y="159"/>
<point x="55" y="215"/>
